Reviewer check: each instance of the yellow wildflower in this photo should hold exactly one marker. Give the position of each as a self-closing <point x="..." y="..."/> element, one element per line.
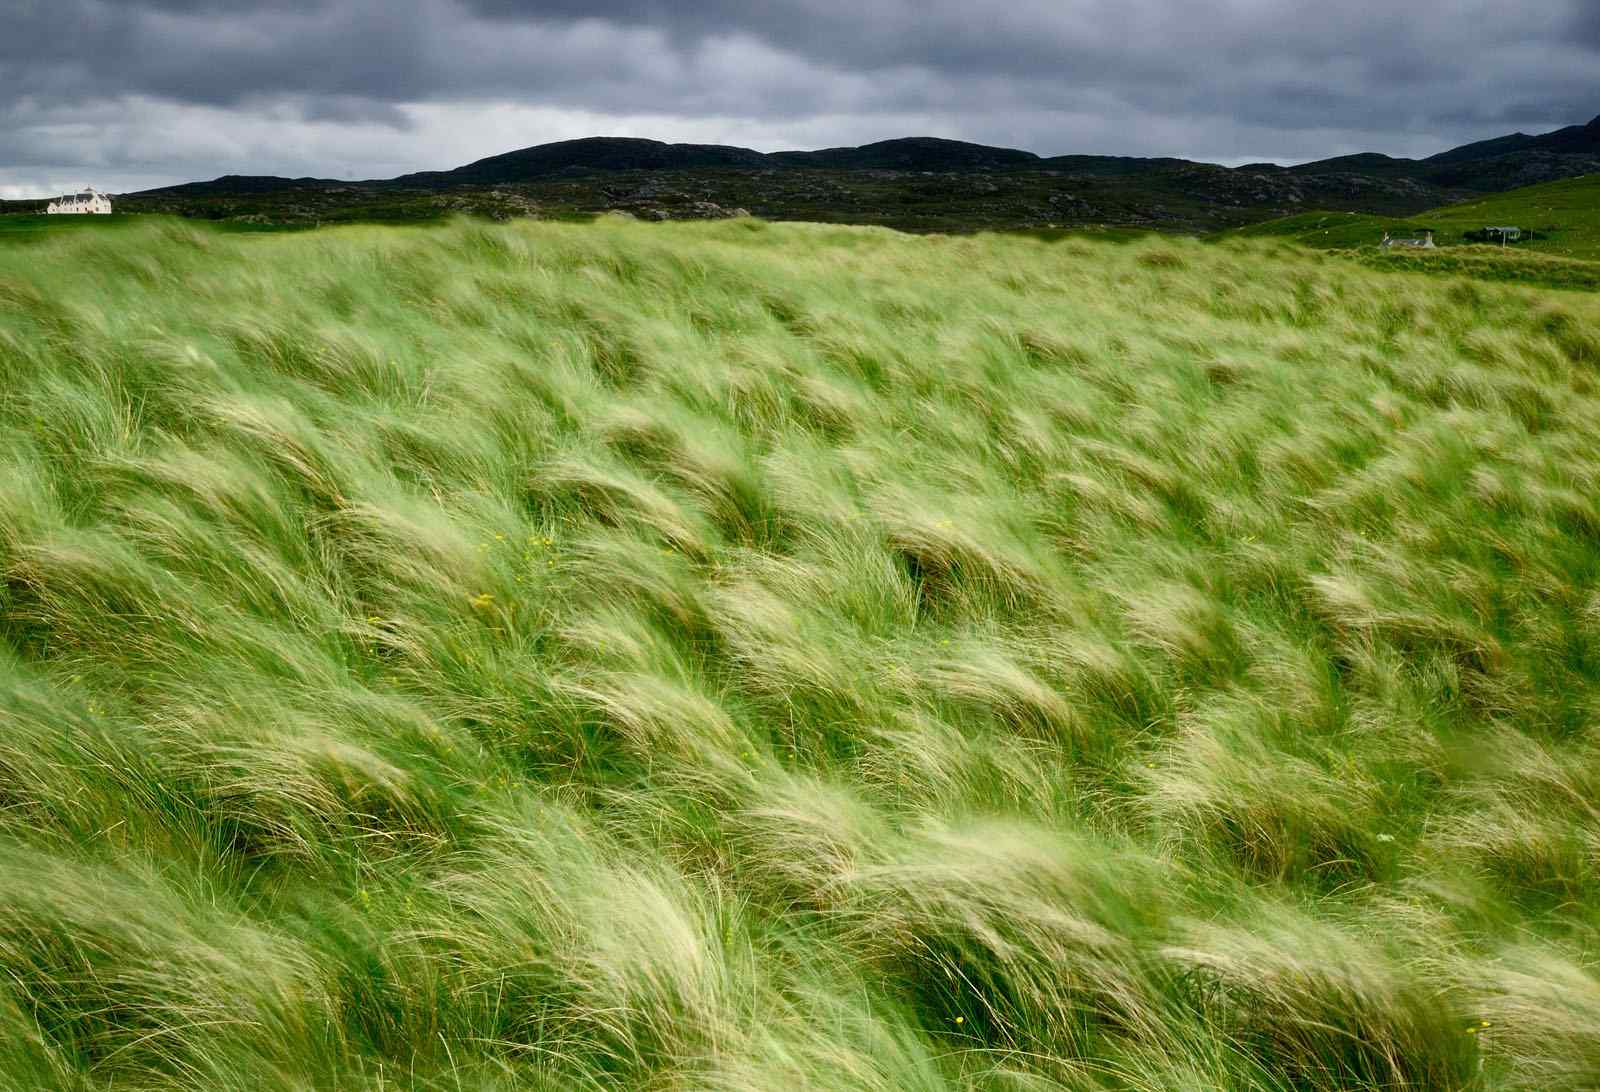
<point x="482" y="601"/>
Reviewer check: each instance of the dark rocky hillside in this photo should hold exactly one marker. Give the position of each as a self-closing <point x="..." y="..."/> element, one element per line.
<point x="916" y="184"/>
<point x="1573" y="140"/>
<point x="240" y="184"/>
<point x="588" y="155"/>
<point x="1487" y="166"/>
<point x="912" y="154"/>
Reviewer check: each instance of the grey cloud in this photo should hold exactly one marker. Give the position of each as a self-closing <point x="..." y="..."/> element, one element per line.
<point x="1584" y="24"/>
<point x="192" y="7"/>
<point x="346" y="110"/>
<point x="410" y="50"/>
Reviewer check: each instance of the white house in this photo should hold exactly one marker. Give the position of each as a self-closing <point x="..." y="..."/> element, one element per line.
<point x="88" y="200"/>
<point x="1424" y="243"/>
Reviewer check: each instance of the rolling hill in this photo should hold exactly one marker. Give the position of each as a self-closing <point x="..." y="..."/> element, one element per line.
<point x="918" y="184"/>
<point x="1479" y="165"/>
<point x="1489" y="165"/>
<point x="1574" y="139"/>
<point x="1565" y="216"/>
<point x="594" y="154"/>
<point x="911" y="154"/>
<point x="1565" y="213"/>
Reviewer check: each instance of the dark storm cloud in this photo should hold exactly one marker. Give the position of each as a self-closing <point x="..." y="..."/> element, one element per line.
<point x="191" y="7"/>
<point x="1586" y="23"/>
<point x="1204" y="78"/>
<point x="207" y="53"/>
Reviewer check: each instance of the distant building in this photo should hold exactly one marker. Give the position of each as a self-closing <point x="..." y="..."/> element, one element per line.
<point x="1424" y="243"/>
<point x="88" y="200"/>
<point x="1500" y="235"/>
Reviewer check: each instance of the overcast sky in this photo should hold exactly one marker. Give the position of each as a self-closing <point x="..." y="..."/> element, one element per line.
<point x="128" y="94"/>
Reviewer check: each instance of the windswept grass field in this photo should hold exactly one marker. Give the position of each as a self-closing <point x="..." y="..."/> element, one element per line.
<point x="19" y="228"/>
<point x="766" y="658"/>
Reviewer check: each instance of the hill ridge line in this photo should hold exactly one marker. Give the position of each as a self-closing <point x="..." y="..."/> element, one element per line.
<point x="608" y="154"/>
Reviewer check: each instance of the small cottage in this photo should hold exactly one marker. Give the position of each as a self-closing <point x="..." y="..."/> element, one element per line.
<point x="89" y="200"/>
<point x="1424" y="243"/>
<point x="1504" y="234"/>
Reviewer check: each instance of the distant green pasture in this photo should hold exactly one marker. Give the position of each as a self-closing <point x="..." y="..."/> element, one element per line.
<point x="1566" y="214"/>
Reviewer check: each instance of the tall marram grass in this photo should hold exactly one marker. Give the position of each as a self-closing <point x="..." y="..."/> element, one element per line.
<point x="751" y="657"/>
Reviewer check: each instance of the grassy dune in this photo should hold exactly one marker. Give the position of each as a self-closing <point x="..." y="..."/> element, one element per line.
<point x="761" y="657"/>
<point x="22" y="228"/>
